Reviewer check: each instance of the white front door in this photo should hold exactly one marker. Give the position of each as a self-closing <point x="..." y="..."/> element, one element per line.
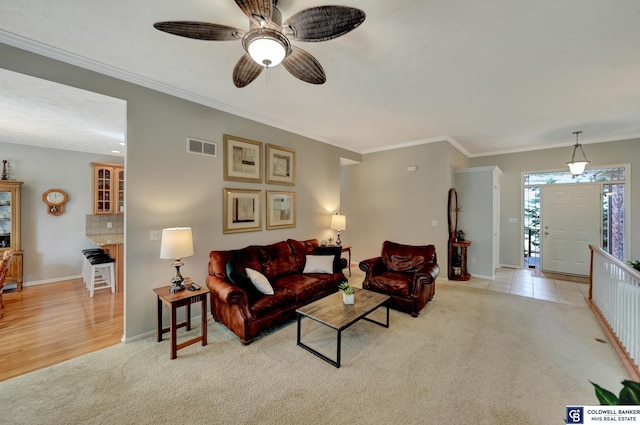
<point x="570" y="221"/>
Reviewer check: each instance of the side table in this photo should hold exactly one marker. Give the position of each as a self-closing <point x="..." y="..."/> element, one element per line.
<point x="347" y="249"/>
<point x="458" y="260"/>
<point x="173" y="300"/>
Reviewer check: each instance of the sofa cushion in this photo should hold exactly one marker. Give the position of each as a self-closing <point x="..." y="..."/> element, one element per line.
<point x="392" y="283"/>
<point x="259" y="281"/>
<point x="282" y="298"/>
<point x="240" y="258"/>
<point x="301" y="249"/>
<point x="319" y="264"/>
<point x="275" y="260"/>
<point x="407" y="258"/>
<point x="305" y="287"/>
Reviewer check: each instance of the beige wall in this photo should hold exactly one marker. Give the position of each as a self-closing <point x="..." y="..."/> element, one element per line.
<point x="384" y="201"/>
<point x="513" y="165"/>
<point x="167" y="187"/>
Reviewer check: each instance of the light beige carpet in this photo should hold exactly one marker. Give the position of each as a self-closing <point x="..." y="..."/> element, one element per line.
<point x="472" y="357"/>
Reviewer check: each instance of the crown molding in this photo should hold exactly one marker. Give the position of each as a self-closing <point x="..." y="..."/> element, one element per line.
<point x="55" y="53"/>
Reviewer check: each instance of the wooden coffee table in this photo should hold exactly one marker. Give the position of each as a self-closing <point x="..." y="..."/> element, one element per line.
<point x="332" y="312"/>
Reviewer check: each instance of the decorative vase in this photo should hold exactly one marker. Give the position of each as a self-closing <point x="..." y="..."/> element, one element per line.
<point x="348" y="298"/>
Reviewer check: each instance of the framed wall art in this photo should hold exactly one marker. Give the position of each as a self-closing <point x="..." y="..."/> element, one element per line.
<point x="281" y="209"/>
<point x="281" y="165"/>
<point x="242" y="210"/>
<point x="242" y="159"/>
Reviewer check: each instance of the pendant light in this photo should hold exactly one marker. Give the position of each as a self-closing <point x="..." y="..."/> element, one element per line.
<point x="577" y="167"/>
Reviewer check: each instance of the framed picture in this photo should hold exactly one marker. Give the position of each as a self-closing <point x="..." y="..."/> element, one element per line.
<point x="281" y="165"/>
<point x="281" y="209"/>
<point x="242" y="210"/>
<point x="242" y="159"/>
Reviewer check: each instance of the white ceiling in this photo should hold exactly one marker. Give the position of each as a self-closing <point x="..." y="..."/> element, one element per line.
<point x="489" y="76"/>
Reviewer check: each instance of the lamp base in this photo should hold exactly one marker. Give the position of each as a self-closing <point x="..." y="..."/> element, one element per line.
<point x="177" y="287"/>
<point x="338" y="241"/>
<point x="177" y="279"/>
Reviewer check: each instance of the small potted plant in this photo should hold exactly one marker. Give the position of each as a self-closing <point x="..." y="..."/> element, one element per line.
<point x="347" y="293"/>
<point x="634" y="264"/>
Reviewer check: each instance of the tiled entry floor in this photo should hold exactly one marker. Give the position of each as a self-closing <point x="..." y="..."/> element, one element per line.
<point x="522" y="282"/>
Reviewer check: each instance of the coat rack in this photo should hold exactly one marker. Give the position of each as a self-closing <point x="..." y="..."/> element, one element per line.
<point x="457" y="268"/>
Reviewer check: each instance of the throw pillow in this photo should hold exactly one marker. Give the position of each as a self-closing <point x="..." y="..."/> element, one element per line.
<point x="237" y="277"/>
<point x="336" y="252"/>
<point x="260" y="281"/>
<point x="318" y="264"/>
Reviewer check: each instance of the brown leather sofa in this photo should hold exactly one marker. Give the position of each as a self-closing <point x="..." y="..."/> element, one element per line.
<point x="407" y="273"/>
<point x="246" y="311"/>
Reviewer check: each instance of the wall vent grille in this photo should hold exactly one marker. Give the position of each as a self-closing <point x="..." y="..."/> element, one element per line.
<point x="202" y="147"/>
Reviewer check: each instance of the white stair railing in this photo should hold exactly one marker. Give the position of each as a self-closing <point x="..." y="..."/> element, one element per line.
<point x="615" y="296"/>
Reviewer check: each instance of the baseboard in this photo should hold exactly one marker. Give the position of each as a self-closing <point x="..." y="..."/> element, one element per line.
<point x="195" y="320"/>
<point x="510" y="266"/>
<point x="138" y="337"/>
<point x="43" y="282"/>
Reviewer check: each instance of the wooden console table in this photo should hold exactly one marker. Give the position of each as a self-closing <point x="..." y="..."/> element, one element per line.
<point x="458" y="270"/>
<point x="347" y="249"/>
<point x="173" y="300"/>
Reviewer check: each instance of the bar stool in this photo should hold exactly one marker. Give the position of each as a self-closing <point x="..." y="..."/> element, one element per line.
<point x="101" y="274"/>
<point x="85" y="262"/>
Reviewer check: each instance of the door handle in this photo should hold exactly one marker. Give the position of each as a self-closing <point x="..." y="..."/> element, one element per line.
<point x="546" y="233"/>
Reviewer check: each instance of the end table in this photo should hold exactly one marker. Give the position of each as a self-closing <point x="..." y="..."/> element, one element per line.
<point x="173" y="300"/>
<point x="347" y="249"/>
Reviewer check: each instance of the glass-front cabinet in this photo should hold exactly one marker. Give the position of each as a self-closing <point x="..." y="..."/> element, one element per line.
<point x="108" y="188"/>
<point x="10" y="229"/>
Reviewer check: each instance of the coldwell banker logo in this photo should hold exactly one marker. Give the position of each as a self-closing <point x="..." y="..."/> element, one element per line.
<point x="575" y="415"/>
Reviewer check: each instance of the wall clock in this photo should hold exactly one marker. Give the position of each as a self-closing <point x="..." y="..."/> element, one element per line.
<point x="55" y="200"/>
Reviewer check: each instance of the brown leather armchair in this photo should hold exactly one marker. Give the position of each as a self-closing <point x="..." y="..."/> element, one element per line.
<point x="407" y="273"/>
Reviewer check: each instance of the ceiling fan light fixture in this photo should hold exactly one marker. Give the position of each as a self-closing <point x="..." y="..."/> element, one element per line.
<point x="577" y="167"/>
<point x="267" y="47"/>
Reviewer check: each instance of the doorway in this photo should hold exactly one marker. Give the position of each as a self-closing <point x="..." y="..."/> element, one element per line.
<point x="590" y="208"/>
<point x="569" y="220"/>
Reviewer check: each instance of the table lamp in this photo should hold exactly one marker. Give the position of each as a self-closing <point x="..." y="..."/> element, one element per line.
<point x="338" y="223"/>
<point x="177" y="243"/>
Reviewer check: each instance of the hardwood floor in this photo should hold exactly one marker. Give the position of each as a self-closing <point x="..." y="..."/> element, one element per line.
<point x="48" y="324"/>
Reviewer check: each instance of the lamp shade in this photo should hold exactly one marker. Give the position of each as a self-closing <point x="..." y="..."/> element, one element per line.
<point x="266" y="46"/>
<point x="577" y="168"/>
<point x="338" y="222"/>
<point x="177" y="242"/>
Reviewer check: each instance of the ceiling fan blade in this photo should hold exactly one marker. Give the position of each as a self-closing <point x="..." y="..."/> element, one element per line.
<point x="304" y="66"/>
<point x="245" y="71"/>
<point x="262" y="8"/>
<point x="323" y="22"/>
<point x="200" y="30"/>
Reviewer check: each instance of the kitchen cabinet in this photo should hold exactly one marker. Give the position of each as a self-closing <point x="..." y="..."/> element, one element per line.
<point x="10" y="229"/>
<point x="108" y="188"/>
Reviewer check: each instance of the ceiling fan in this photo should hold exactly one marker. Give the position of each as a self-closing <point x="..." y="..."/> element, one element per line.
<point x="267" y="43"/>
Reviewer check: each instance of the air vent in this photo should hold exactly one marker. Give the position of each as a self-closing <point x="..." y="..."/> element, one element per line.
<point x="202" y="147"/>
